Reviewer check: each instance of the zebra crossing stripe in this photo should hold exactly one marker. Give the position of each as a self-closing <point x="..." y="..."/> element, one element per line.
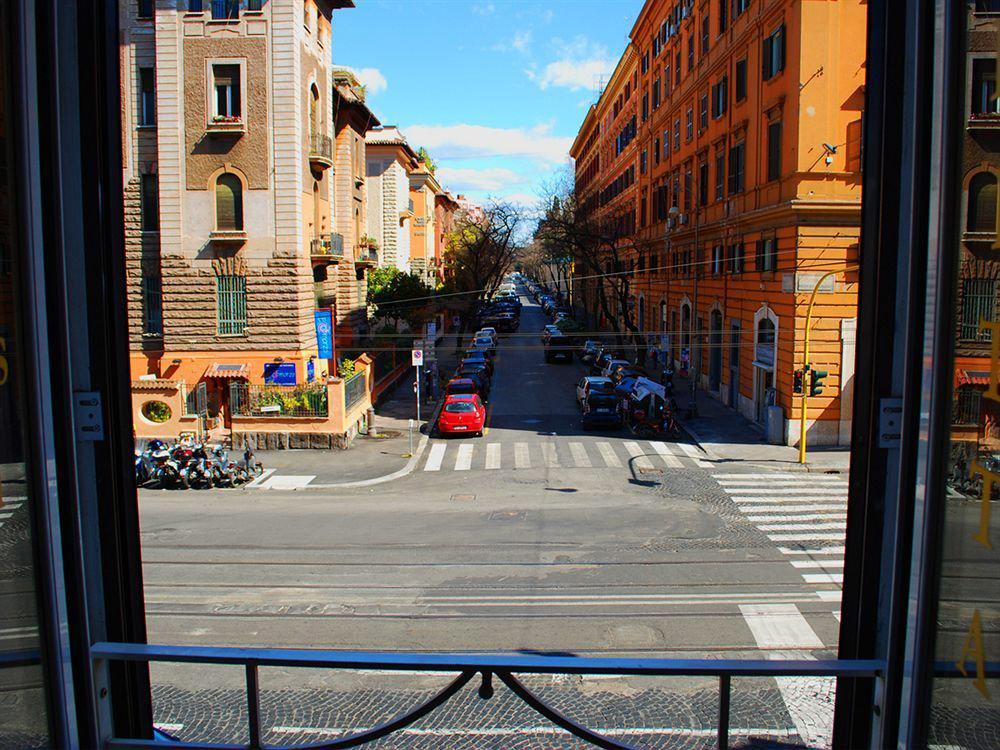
<point x="735" y="480"/>
<point x="779" y="626"/>
<point x="811" y="508"/>
<point x="435" y="458"/>
<point x="522" y="459"/>
<point x="832" y="564"/>
<point x="608" y="454"/>
<point x="829" y="596"/>
<point x="549" y="459"/>
<point x="464" y="460"/>
<point x="671" y="461"/>
<point x="817" y="551"/>
<point x="823" y="577"/>
<point x="805" y="497"/>
<point x="694" y="453"/>
<point x="777" y="476"/>
<point x="493" y="456"/>
<point x="640" y="460"/>
<point x="801" y="517"/>
<point x="782" y="490"/>
<point x="580" y="457"/>
<point x="806" y="537"/>
<point x="802" y="526"/>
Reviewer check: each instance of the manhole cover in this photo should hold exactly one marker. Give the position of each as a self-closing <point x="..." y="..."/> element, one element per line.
<point x="465" y="497"/>
<point x="507" y="515"/>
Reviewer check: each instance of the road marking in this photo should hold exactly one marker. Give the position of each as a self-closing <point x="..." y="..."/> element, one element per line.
<point x="549" y="459"/>
<point x="833" y="564"/>
<point x="831" y="526"/>
<point x="823" y="577"/>
<point x="669" y="458"/>
<point x="464" y="460"/>
<point x="165" y="727"/>
<point x="288" y="481"/>
<point x="522" y="459"/>
<point x="736" y="480"/>
<point x="818" y="551"/>
<point x="640" y="460"/>
<point x="783" y="490"/>
<point x="829" y="596"/>
<point x="436" y="457"/>
<point x="696" y="454"/>
<point x="779" y="626"/>
<point x="837" y="615"/>
<point x="261" y="479"/>
<point x="799" y="475"/>
<point x="493" y="456"/>
<point x="805" y="537"/>
<point x="799" y="517"/>
<point x="608" y="454"/>
<point x="580" y="457"/>
<point x="805" y="497"/>
<point x="818" y="507"/>
<point x="4" y="516"/>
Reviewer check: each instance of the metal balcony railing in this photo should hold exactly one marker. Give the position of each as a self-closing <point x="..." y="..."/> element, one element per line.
<point x="330" y="246"/>
<point x="467" y="666"/>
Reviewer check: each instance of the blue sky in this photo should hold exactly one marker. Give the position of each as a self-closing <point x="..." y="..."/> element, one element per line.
<point x="494" y="89"/>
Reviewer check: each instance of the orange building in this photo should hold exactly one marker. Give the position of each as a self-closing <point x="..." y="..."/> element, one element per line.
<point x="737" y="127"/>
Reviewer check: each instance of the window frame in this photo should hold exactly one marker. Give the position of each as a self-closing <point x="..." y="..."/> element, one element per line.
<point x="773" y="53"/>
<point x="149" y="213"/>
<point x="774" y="134"/>
<point x="211" y="109"/>
<point x="152" y="315"/>
<point x="235" y="320"/>
<point x="147" y="97"/>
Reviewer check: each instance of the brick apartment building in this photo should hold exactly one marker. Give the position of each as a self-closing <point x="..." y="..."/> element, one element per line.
<point x="727" y="144"/>
<point x="230" y="223"/>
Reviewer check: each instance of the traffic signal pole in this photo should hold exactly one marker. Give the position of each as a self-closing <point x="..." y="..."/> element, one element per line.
<point x="804" y="411"/>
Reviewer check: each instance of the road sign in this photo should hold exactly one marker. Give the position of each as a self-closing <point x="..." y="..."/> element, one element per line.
<point x="417" y="357"/>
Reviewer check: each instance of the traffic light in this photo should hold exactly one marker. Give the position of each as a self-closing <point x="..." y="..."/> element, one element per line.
<point x="816" y="381"/>
<point x="797" y="381"/>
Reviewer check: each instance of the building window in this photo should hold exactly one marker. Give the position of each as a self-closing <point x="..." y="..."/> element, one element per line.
<point x="967" y="409"/>
<point x="195" y="6"/>
<point x="687" y="187"/>
<point x="225" y="10"/>
<point x="984" y="88"/>
<point x="741" y="79"/>
<point x="774" y="151"/>
<point x="690" y="52"/>
<point x="720" y="174"/>
<point x="666" y="80"/>
<point x="981" y="213"/>
<point x="231" y="305"/>
<point x="703" y="112"/>
<point x="718" y="260"/>
<point x="226" y="83"/>
<point x="666" y="144"/>
<point x="147" y="97"/>
<point x="703" y="182"/>
<point x="720" y="97"/>
<point x="228" y="203"/>
<point x="656" y="152"/>
<point x="145" y="8"/>
<point x="656" y="94"/>
<point x="767" y="255"/>
<point x="643" y="160"/>
<point x="739" y="7"/>
<point x="723" y="16"/>
<point x="736" y="258"/>
<point x="677" y="68"/>
<point x="149" y="203"/>
<point x="152" y="306"/>
<point x="689" y="125"/>
<point x="704" y="35"/>
<point x="737" y="162"/>
<point x="773" y="54"/>
<point x="979" y="299"/>
<point x="677" y="135"/>
<point x="645" y="107"/>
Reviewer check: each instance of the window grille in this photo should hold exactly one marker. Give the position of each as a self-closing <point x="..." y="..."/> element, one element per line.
<point x="231" y="313"/>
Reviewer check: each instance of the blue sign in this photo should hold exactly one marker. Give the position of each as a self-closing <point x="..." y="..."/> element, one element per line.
<point x="324" y="333"/>
<point x="310" y="371"/>
<point x="280" y="374"/>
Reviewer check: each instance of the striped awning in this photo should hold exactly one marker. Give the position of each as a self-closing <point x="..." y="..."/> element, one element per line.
<point x="972" y="377"/>
<point x="223" y="371"/>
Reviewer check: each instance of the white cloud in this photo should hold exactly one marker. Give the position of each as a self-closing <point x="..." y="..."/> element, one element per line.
<point x="464" y="179"/>
<point x="466" y="141"/>
<point x="372" y="79"/>
<point x="524" y="200"/>
<point x="520" y="42"/>
<point x="483" y="9"/>
<point x="578" y="65"/>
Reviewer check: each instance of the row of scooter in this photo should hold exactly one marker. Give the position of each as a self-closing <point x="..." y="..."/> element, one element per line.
<point x="187" y="464"/>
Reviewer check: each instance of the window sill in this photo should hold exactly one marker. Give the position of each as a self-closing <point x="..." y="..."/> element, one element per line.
<point x="150" y="232"/>
<point x="979" y="237"/>
<point x="150" y="126"/>
<point x="228" y="236"/>
<point x="226" y="128"/>
<point x="232" y="335"/>
<point x="983" y="122"/>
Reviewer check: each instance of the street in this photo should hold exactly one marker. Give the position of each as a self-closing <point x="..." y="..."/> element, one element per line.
<point x="536" y="537"/>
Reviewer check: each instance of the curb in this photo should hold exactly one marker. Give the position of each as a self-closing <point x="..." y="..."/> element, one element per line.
<point x="398" y="474"/>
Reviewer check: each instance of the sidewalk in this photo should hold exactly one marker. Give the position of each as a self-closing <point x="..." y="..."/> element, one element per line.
<point x="728" y="437"/>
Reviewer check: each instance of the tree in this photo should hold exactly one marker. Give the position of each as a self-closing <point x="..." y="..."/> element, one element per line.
<point x="398" y="297"/>
<point x="480" y="251"/>
<point x="425" y="157"/>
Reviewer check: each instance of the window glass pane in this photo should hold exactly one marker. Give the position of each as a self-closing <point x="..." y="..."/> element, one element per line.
<point x="23" y="709"/>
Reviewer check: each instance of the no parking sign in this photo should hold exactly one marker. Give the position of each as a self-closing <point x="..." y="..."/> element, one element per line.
<point x="416" y="357"/>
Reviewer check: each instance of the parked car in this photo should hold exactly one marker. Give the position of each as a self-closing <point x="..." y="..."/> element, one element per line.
<point x="613" y="365"/>
<point x="591" y="384"/>
<point x="479" y="369"/>
<point x="479" y="358"/>
<point x="558" y="346"/>
<point x="548" y="331"/>
<point x="601" y="410"/>
<point x="463" y="386"/>
<point x="602" y="360"/>
<point x="507" y="322"/>
<point x="462" y="413"/>
<point x="485" y="342"/>
<point x="487" y="331"/>
<point x="624" y="371"/>
<point x="589" y="351"/>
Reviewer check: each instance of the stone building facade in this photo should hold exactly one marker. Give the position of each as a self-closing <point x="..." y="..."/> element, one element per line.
<point x="423" y="228"/>
<point x="390" y="162"/>
<point x="228" y="153"/>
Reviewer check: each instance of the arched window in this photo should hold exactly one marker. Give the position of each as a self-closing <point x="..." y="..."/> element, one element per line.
<point x="314" y="111"/>
<point x="764" y="352"/>
<point x="982" y="210"/>
<point x="228" y="203"/>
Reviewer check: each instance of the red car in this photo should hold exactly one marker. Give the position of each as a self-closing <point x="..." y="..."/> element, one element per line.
<point x="462" y="413"/>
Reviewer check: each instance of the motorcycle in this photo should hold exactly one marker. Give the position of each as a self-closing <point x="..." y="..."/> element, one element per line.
<point x="253" y="467"/>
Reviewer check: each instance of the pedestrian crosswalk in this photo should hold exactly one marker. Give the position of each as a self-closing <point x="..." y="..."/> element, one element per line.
<point x="9" y="506"/>
<point x="640" y="455"/>
<point x="806" y="514"/>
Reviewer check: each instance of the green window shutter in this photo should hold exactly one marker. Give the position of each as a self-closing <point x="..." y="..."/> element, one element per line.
<point x="231" y="304"/>
<point x="228" y="203"/>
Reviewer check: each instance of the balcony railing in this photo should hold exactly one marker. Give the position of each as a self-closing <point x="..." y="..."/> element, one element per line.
<point x="365" y="255"/>
<point x="320" y="151"/>
<point x="330" y="246"/>
<point x="467" y="666"/>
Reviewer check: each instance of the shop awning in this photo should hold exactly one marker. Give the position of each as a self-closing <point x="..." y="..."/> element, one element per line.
<point x="972" y="377"/>
<point x="224" y="371"/>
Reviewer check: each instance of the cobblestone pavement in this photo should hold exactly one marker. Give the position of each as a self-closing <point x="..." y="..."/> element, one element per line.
<point x="653" y="718"/>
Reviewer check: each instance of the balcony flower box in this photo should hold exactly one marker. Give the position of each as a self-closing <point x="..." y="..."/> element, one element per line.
<point x="226" y="124"/>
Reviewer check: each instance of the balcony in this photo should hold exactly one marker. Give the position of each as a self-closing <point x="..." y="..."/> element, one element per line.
<point x="366" y="256"/>
<point x="320" y="151"/>
<point x="407" y="213"/>
<point x="328" y="248"/>
<point x="226" y="125"/>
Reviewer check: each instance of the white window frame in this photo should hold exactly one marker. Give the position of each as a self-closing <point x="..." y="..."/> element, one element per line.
<point x="210" y="98"/>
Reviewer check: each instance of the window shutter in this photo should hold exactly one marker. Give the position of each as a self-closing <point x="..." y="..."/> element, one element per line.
<point x="781" y="47"/>
<point x="228" y="203"/>
<point x="765" y="59"/>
